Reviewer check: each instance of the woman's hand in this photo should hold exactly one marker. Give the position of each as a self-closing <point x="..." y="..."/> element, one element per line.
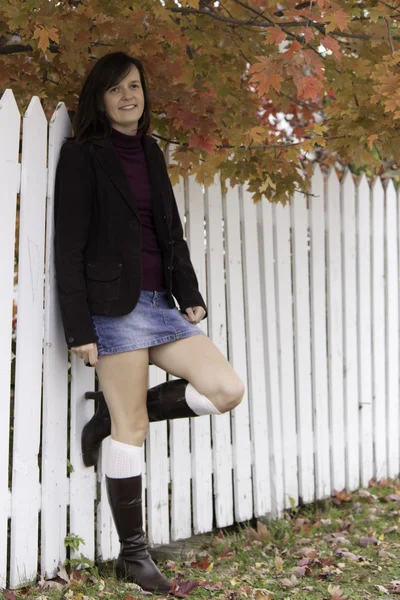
<point x="88" y="352"/>
<point x="194" y="315"/>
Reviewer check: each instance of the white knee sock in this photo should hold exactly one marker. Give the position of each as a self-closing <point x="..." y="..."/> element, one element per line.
<point x="123" y="460"/>
<point x="199" y="403"/>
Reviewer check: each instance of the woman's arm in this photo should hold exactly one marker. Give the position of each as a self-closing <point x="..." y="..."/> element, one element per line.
<point x="72" y="213"/>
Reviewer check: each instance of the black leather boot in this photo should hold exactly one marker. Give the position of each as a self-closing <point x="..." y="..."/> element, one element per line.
<point x="134" y="563"/>
<point x="164" y="401"/>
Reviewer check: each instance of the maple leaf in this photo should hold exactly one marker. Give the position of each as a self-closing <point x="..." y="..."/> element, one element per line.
<point x="182" y="589"/>
<point x="309" y="87"/>
<point x="371" y="140"/>
<point x="44" y="36"/>
<point x="275" y="36"/>
<point x="265" y="81"/>
<point x="329" y="42"/>
<point x="308" y="34"/>
<point x="338" y="19"/>
<point x="336" y="593"/>
<point x="294" y="47"/>
<point x="200" y="141"/>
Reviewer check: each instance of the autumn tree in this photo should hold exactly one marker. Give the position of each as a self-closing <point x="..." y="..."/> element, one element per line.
<point x="255" y="89"/>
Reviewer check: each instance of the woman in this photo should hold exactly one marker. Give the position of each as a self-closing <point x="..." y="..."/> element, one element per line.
<point x="120" y="258"/>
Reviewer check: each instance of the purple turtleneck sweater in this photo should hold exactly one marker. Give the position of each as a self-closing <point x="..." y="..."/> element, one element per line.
<point x="131" y="154"/>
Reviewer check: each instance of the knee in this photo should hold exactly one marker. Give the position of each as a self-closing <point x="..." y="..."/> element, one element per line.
<point x="131" y="429"/>
<point x="229" y="395"/>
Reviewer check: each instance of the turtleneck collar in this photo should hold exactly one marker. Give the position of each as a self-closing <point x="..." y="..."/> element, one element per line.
<point x="121" y="140"/>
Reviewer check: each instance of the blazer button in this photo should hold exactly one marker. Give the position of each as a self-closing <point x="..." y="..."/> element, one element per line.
<point x="71" y="339"/>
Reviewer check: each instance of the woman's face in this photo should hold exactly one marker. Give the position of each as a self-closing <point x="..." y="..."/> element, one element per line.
<point x="124" y="103"/>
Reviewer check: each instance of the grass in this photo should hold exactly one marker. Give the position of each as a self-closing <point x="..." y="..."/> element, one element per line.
<point x="341" y="548"/>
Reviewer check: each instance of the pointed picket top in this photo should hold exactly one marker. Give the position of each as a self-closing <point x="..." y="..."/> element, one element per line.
<point x="60" y="117"/>
<point x="317" y="172"/>
<point x="35" y="111"/>
<point x="8" y="103"/>
<point x="332" y="177"/>
<point x="390" y="189"/>
<point x="10" y="124"/>
<point x="59" y="129"/>
<point x="348" y="181"/>
<point x="363" y="185"/>
<point x="377" y="186"/>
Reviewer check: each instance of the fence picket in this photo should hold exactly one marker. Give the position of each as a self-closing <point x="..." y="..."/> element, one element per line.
<point x="268" y="294"/>
<point x="179" y="442"/>
<point x="9" y="179"/>
<point x="392" y="330"/>
<point x="107" y="538"/>
<point x="378" y="330"/>
<point x="199" y="426"/>
<point x="283" y="274"/>
<point x="255" y="357"/>
<point x="351" y="392"/>
<point x="55" y="381"/>
<point x="28" y="374"/>
<point x="364" y="327"/>
<point x="157" y="466"/>
<point x="319" y="359"/>
<point x="221" y="424"/>
<point x="237" y="356"/>
<point x="335" y="331"/>
<point x="82" y="480"/>
<point x="302" y="340"/>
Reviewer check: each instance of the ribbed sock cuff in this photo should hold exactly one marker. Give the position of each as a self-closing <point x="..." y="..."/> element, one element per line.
<point x="199" y="403"/>
<point x="123" y="460"/>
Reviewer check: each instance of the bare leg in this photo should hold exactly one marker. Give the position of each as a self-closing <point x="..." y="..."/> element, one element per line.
<point x="123" y="378"/>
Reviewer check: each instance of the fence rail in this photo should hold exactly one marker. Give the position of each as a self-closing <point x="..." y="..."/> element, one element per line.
<point x="304" y="301"/>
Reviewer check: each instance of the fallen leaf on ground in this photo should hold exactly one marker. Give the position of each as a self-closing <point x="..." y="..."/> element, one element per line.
<point x="342" y="496"/>
<point x="393" y="498"/>
<point x="336" y="593"/>
<point x="8" y="595"/>
<point x="309" y="552"/>
<point x="181" y="588"/>
<point x="262" y="594"/>
<point x="201" y="564"/>
<point x="278" y="564"/>
<point x="368" y="541"/>
<point x="394" y="587"/>
<point x="62" y="573"/>
<point x="382" y="589"/>
<point x="289" y="582"/>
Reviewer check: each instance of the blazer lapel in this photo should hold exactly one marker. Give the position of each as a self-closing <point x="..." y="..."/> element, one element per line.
<point x="111" y="164"/>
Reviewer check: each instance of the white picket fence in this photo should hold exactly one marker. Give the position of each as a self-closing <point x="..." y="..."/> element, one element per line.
<point x="304" y="300"/>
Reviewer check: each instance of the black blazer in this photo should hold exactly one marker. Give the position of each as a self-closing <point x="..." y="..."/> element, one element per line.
<point x="97" y="242"/>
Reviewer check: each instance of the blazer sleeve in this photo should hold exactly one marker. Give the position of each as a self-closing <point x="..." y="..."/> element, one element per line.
<point x="73" y="197"/>
<point x="185" y="286"/>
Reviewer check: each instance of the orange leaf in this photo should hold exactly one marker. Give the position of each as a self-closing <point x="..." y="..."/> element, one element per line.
<point x="295" y="47"/>
<point x="201" y="141"/>
<point x="338" y="19"/>
<point x="332" y="45"/>
<point x="275" y="36"/>
<point x="44" y="36"/>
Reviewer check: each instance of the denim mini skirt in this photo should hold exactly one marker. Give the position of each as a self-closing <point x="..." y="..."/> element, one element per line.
<point x="152" y="322"/>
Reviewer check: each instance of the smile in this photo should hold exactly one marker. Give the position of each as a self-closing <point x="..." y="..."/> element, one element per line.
<point x="128" y="107"/>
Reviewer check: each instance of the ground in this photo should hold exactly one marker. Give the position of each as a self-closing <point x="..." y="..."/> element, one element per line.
<point x="347" y="547"/>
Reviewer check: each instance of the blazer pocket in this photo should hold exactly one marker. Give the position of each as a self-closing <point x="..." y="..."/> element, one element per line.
<point x="103" y="280"/>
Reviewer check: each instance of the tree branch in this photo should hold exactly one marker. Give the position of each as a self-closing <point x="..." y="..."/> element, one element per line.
<point x="264" y="24"/>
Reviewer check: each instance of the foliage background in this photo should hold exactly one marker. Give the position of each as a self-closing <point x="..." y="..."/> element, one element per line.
<point x="256" y="89"/>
